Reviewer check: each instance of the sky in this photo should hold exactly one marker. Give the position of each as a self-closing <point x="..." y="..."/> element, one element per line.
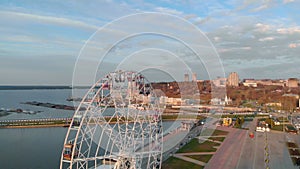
<point x="47" y="42"/>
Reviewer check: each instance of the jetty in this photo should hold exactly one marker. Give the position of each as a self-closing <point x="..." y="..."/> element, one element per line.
<point x="36" y="123"/>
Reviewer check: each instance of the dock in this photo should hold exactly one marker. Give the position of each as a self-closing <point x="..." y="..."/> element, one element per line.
<point x="36" y="123"/>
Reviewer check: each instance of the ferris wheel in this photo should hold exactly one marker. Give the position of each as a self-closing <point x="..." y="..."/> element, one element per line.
<point x="117" y="125"/>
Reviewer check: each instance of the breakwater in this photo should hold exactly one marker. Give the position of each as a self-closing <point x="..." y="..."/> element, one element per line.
<point x="52" y="105"/>
<point x="36" y="123"/>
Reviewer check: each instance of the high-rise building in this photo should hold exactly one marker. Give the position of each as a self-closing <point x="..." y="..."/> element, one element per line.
<point x="186" y="77"/>
<point x="292" y="82"/>
<point x="194" y="77"/>
<point x="233" y="79"/>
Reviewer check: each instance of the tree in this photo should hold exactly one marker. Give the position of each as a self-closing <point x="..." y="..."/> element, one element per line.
<point x="239" y="121"/>
<point x="270" y="122"/>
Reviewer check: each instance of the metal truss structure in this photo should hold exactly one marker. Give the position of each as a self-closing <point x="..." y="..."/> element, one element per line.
<point x="117" y="125"/>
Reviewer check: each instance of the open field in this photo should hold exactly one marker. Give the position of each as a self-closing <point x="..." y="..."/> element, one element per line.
<point x="219" y="133"/>
<point x="194" y="146"/>
<point x="278" y="127"/>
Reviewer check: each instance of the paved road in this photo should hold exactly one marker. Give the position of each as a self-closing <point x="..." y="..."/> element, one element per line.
<point x="228" y="154"/>
<point x="279" y="155"/>
<point x="253" y="154"/>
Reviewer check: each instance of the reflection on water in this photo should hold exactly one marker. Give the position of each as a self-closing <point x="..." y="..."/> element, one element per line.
<point x="38" y="148"/>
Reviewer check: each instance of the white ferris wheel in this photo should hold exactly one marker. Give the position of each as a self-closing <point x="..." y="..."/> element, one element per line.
<point x="117" y="125"/>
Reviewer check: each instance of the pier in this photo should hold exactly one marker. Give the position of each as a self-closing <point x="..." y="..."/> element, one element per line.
<point x="36" y="123"/>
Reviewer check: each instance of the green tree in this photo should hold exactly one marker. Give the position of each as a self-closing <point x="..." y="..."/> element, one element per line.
<point x="270" y="122"/>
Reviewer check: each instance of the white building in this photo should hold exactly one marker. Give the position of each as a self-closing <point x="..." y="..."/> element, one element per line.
<point x="250" y="84"/>
<point x="222" y="102"/>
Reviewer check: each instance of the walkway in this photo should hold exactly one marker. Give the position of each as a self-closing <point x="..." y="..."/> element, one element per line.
<point x="228" y="154"/>
<point x="189" y="159"/>
<point x="207" y="138"/>
<point x="253" y="156"/>
<point x="196" y="153"/>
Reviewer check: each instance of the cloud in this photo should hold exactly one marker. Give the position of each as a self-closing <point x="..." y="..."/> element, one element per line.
<point x="217" y="39"/>
<point x="290" y="30"/>
<point x="242" y="41"/>
<point x="223" y="50"/>
<point x="190" y="16"/>
<point x="168" y="11"/>
<point x="260" y="70"/>
<point x="262" y="7"/>
<point x="199" y="21"/>
<point x="288" y="1"/>
<point x="256" y="5"/>
<point x="20" y="38"/>
<point x="294" y="45"/>
<point x="47" y="19"/>
<point x="266" y="39"/>
<point x="262" y="27"/>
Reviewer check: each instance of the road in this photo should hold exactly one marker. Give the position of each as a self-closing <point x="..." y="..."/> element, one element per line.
<point x="253" y="150"/>
<point x="227" y="156"/>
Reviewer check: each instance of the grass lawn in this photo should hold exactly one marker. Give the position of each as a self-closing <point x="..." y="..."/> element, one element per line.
<point x="219" y="132"/>
<point x="278" y="128"/>
<point x="296" y="161"/>
<point x="211" y="132"/>
<point x="203" y="158"/>
<point x="175" y="163"/>
<point x="283" y="119"/>
<point x="294" y="152"/>
<point x="174" y="117"/>
<point x="235" y="115"/>
<point x="195" y="146"/>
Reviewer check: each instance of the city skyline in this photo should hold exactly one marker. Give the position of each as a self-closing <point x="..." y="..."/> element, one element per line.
<point x="41" y="41"/>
